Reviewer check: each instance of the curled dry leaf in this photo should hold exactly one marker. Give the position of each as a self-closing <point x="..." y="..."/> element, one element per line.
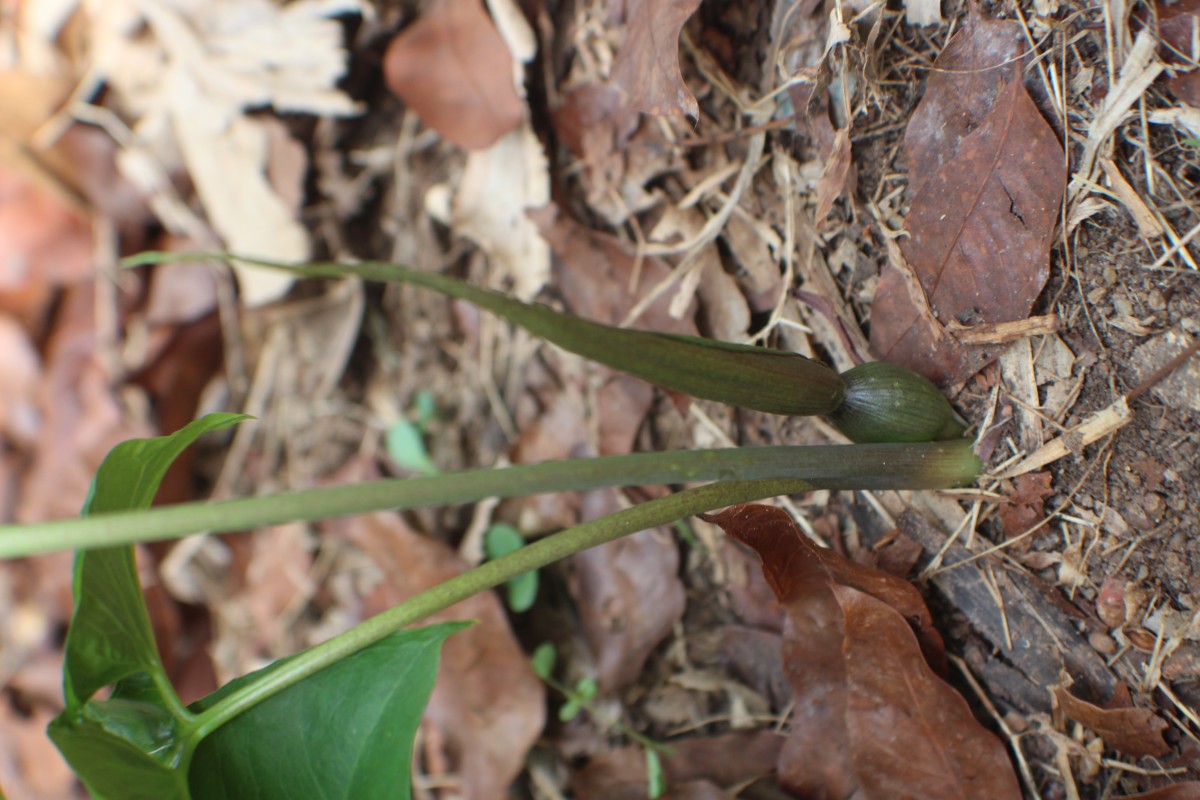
<point x="871" y="718"/>
<point x="1132" y="731"/>
<point x="647" y="65"/>
<point x="987" y="177"/>
<point x="454" y="70"/>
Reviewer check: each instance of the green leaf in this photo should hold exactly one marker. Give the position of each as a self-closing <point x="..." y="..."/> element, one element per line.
<point x="656" y="779"/>
<point x="406" y="445"/>
<point x="109" y="764"/>
<point x="500" y="540"/>
<point x="425" y="405"/>
<point x="110" y="636"/>
<point x="543" y="660"/>
<point x="129" y="745"/>
<point x="569" y="710"/>
<point x="587" y="689"/>
<point x="346" y="732"/>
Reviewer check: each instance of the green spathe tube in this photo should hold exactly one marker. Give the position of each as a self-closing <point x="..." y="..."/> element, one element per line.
<point x="872" y="403"/>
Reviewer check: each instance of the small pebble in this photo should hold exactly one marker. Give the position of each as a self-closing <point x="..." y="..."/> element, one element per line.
<point x="1110" y="275"/>
<point x="1123" y="306"/>
<point x="1153" y="503"/>
<point x="1156" y="301"/>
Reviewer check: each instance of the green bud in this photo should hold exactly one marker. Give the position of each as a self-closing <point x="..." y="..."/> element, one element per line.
<point x="889" y="403"/>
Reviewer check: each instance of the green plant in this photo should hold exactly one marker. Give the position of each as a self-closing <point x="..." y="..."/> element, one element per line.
<point x="347" y="706"/>
<point x="500" y="540"/>
<point x="580" y="697"/>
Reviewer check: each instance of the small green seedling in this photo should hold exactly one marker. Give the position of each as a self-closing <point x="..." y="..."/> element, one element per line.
<point x="500" y="540"/>
<point x="405" y="439"/>
<point x="405" y="444"/>
<point x="581" y="697"/>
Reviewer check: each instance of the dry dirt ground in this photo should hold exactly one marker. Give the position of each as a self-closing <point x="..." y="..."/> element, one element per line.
<point x="1077" y="566"/>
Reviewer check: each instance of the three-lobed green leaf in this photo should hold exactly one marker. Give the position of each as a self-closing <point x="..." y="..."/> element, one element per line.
<point x="129" y="744"/>
<point x="345" y="731"/>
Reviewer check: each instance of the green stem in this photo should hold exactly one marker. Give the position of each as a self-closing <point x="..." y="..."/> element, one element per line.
<point x="486" y="576"/>
<point x="760" y="378"/>
<point x="883" y="466"/>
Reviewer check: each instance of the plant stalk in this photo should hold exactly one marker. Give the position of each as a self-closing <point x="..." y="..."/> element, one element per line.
<point x="486" y="576"/>
<point x="932" y="465"/>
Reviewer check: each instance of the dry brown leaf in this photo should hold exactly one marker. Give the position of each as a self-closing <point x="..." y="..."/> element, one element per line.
<point x="832" y="182"/>
<point x="753" y="657"/>
<point x="1179" y="26"/>
<point x="647" y="65"/>
<point x="487" y="705"/>
<point x="597" y="270"/>
<point x="1132" y="731"/>
<point x="1028" y="502"/>
<point x="19" y="371"/>
<point x="82" y="418"/>
<point x="987" y="177"/>
<point x="629" y="595"/>
<point x="46" y="244"/>
<point x="871" y="716"/>
<point x="183" y="77"/>
<point x="914" y="736"/>
<point x="489" y="206"/>
<point x="30" y="765"/>
<point x="454" y="70"/>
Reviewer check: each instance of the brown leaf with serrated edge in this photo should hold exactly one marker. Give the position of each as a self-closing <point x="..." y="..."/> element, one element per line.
<point x="1132" y="731"/>
<point x="987" y="176"/>
<point x="859" y="676"/>
<point x="454" y="70"/>
<point x="913" y="735"/>
<point x="647" y="65"/>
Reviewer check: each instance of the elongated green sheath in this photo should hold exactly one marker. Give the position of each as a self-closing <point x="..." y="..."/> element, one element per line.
<point x="758" y="378"/>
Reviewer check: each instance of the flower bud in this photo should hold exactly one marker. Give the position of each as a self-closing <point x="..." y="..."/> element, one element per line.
<point x="889" y="403"/>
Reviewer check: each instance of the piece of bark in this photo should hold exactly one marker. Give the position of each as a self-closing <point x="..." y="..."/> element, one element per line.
<point x="1032" y="633"/>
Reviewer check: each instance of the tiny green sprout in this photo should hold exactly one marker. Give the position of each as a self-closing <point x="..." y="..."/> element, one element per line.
<point x="406" y="446"/>
<point x="578" y="698"/>
<point x="656" y="778"/>
<point x="543" y="660"/>
<point x="500" y="540"/>
<point x="425" y="406"/>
